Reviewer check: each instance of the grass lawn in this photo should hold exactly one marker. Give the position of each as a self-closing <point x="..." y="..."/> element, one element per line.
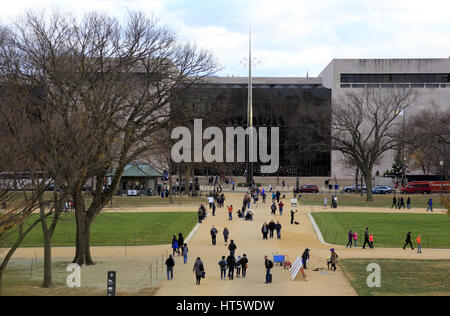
<point x="115" y="229"/>
<point x="389" y="230"/>
<point x="400" y="277"/>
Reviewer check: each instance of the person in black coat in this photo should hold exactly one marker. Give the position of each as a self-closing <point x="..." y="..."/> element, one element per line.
<point x="268" y="265"/>
<point x="231" y="264"/>
<point x="232" y="247"/>
<point x="292" y="216"/>
<point x="394" y="202"/>
<point x="278" y="229"/>
<point x="244" y="264"/>
<point x="180" y="243"/>
<point x="408" y="241"/>
<point x="271" y="228"/>
<point x="214" y="233"/>
<point x="170" y="263"/>
<point x="366" y="238"/>
<point x="305" y="257"/>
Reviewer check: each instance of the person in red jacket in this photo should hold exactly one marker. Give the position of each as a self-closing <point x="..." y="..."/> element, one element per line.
<point x="280" y="207"/>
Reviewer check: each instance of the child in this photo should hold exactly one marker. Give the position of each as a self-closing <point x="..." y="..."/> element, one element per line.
<point x="355" y="239"/>
<point x="419" y="243"/>
<point x="333" y="259"/>
<point x="371" y="240"/>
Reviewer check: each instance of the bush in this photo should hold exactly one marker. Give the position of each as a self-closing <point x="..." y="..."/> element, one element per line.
<point x="246" y="185"/>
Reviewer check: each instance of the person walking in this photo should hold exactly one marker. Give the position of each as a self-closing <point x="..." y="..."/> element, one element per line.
<point x="333" y="259"/>
<point x="402" y="203"/>
<point x="293" y="215"/>
<point x="408" y="203"/>
<point x="273" y="208"/>
<point x="350" y="239"/>
<point x="355" y="239"/>
<point x="238" y="266"/>
<point x="305" y="258"/>
<point x="185" y="251"/>
<point x="265" y="230"/>
<point x="408" y="241"/>
<point x="231" y="264"/>
<point x="394" y="202"/>
<point x="226" y="233"/>
<point x="200" y="215"/>
<point x="180" y="242"/>
<point x="430" y="205"/>
<point x="278" y="195"/>
<point x="268" y="265"/>
<point x="325" y="202"/>
<point x="210" y="201"/>
<point x="280" y="207"/>
<point x="214" y="209"/>
<point x="170" y="263"/>
<point x="366" y="238"/>
<point x="244" y="265"/>
<point x="419" y="243"/>
<point x="199" y="270"/>
<point x="214" y="233"/>
<point x="371" y="240"/>
<point x="223" y="268"/>
<point x="232" y="247"/>
<point x="278" y="229"/>
<point x="175" y="246"/>
<point x="230" y="212"/>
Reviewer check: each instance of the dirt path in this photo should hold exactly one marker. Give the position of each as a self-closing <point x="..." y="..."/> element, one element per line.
<point x="247" y="235"/>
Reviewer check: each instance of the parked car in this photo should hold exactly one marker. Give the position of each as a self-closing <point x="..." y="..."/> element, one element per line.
<point x="382" y="189"/>
<point x="352" y="188"/>
<point x="308" y="188"/>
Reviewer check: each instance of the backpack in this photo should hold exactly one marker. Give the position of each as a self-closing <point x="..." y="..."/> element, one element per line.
<point x="270" y="264"/>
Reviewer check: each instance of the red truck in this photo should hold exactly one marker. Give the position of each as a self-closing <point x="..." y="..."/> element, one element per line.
<point x="426" y="187"/>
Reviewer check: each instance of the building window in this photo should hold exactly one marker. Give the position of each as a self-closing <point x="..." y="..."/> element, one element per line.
<point x="425" y="78"/>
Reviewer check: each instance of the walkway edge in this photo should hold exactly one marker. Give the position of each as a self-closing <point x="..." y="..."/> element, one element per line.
<point x="192" y="233"/>
<point x="316" y="229"/>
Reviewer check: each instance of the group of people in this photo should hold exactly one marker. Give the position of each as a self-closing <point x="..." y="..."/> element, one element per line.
<point x="334" y="202"/>
<point x="268" y="229"/>
<point x="230" y="264"/>
<point x="400" y="203"/>
<point x="273" y="208"/>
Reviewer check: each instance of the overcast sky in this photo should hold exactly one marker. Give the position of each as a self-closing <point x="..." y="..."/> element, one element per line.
<point x="290" y="37"/>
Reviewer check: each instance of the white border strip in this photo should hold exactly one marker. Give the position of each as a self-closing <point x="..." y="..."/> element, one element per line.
<point x="317" y="230"/>
<point x="192" y="233"/>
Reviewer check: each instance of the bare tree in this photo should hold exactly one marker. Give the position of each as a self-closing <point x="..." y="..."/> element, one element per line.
<point x="365" y="126"/>
<point x="108" y="86"/>
<point x="428" y="140"/>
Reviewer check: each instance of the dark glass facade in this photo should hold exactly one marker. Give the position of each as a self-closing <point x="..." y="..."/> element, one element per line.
<point x="396" y="78"/>
<point x="296" y="109"/>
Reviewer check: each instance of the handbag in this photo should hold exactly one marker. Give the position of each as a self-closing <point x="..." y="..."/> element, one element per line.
<point x="203" y="274"/>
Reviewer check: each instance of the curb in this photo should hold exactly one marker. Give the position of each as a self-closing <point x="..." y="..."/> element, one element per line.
<point x="192" y="233"/>
<point x="317" y="230"/>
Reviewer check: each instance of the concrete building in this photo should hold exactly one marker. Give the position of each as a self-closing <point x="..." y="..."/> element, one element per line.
<point x="429" y="80"/>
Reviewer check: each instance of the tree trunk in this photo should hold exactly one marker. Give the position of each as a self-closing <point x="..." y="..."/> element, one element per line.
<point x="13" y="249"/>
<point x="83" y="252"/>
<point x="362" y="184"/>
<point x="356" y="179"/>
<point x="47" y="283"/>
<point x="368" y="178"/>
<point x="170" y="182"/>
<point x="187" y="179"/>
